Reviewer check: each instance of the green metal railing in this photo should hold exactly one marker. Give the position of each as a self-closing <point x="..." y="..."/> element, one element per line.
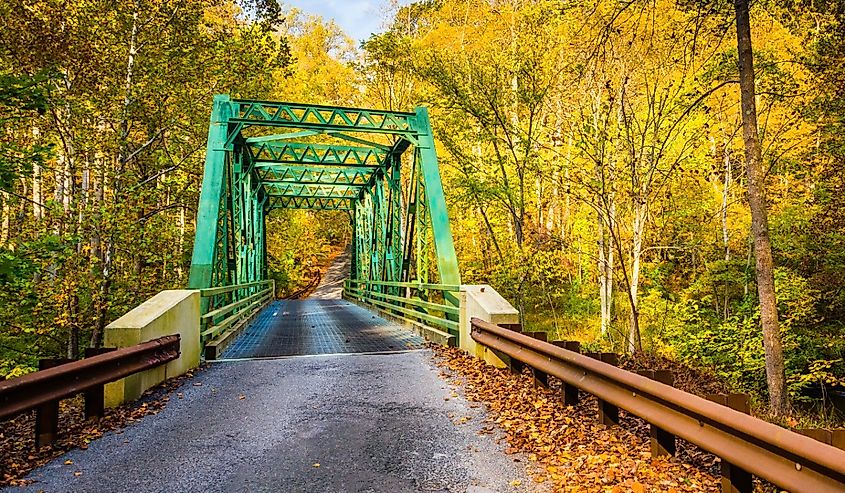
<point x="421" y="304"/>
<point x="228" y="305"/>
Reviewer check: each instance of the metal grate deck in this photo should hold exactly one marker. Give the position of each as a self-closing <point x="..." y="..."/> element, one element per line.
<point x="313" y="326"/>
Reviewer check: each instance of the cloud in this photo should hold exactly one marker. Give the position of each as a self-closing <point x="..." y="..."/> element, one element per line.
<point x="358" y="18"/>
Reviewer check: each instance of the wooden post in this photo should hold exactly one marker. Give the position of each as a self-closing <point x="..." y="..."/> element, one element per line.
<point x="514" y="364"/>
<point x="835" y="438"/>
<point x="47" y="415"/>
<point x="95" y="397"/>
<point x="541" y="378"/>
<point x="608" y="413"/>
<point x="567" y="391"/>
<point x="838" y="439"/>
<point x="662" y="442"/>
<point x="734" y="479"/>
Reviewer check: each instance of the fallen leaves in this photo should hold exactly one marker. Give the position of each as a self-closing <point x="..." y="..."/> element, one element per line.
<point x="17" y="436"/>
<point x="571" y="451"/>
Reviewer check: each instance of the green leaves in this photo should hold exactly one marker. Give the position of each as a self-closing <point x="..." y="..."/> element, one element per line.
<point x="23" y="99"/>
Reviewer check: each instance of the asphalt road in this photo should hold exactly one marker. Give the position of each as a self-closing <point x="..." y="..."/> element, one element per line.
<point x="383" y="422"/>
<point x="342" y="423"/>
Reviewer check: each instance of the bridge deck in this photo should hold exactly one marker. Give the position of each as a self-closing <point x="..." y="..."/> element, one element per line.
<point x="319" y="326"/>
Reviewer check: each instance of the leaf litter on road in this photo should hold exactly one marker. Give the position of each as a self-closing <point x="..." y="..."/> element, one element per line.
<point x="573" y="452"/>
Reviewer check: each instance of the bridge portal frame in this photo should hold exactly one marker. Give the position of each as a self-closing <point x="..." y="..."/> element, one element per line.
<point x="247" y="176"/>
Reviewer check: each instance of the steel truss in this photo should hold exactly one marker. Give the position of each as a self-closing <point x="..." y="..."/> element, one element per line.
<point x="360" y="164"/>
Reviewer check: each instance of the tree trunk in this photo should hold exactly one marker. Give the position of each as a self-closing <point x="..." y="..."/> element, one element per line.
<point x="775" y="376"/>
<point x="638" y="228"/>
<point x="181" y="250"/>
<point x="606" y="266"/>
<point x="726" y="188"/>
<point x="7" y="211"/>
<point x="37" y="200"/>
<point x="602" y="277"/>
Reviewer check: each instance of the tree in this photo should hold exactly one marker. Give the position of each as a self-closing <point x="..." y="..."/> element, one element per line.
<point x="775" y="374"/>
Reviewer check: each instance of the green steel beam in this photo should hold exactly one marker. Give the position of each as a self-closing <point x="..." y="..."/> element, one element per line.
<point x="358" y="140"/>
<point x="285" y="136"/>
<point x="311" y="133"/>
<point x="447" y="260"/>
<point x="268" y="181"/>
<point x="296" y="190"/>
<point x="307" y="175"/>
<point x="299" y="153"/>
<point x="207" y="248"/>
<point x="327" y="118"/>
<point x="315" y="167"/>
<point x="317" y="203"/>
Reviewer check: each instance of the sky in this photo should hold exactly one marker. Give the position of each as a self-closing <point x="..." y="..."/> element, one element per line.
<point x="358" y="18"/>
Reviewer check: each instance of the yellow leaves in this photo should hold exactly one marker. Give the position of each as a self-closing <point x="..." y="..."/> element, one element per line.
<point x="569" y="451"/>
<point x="516" y="482"/>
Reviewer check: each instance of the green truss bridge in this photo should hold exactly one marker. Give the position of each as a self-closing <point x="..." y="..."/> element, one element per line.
<point x="379" y="166"/>
<point x="265" y="155"/>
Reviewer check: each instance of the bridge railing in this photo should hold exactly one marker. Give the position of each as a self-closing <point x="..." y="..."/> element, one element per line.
<point x="229" y="307"/>
<point x="746" y="445"/>
<point x="430" y="307"/>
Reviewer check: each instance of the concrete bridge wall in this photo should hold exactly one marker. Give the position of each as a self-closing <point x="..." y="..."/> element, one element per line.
<point x="168" y="312"/>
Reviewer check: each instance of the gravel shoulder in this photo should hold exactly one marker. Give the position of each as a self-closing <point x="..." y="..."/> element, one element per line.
<point x="365" y="423"/>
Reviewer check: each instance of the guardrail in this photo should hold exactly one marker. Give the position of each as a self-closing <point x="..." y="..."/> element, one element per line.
<point x="42" y="390"/>
<point x="424" y="305"/>
<point x="747" y="445"/>
<point x="230" y="305"/>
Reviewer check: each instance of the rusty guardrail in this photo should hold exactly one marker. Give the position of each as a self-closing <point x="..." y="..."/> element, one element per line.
<point x="43" y="389"/>
<point x="787" y="459"/>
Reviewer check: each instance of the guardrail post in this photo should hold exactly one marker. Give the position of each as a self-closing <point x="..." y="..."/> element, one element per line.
<point x="838" y="439"/>
<point x="662" y="442"/>
<point x="608" y="413"/>
<point x="515" y="365"/>
<point x="95" y="398"/>
<point x="47" y="415"/>
<point x="541" y="378"/>
<point x="835" y="438"/>
<point x="569" y="392"/>
<point x="734" y="479"/>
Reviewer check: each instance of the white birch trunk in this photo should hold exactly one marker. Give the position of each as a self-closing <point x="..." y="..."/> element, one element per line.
<point x="637" y="227"/>
<point x="4" y="230"/>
